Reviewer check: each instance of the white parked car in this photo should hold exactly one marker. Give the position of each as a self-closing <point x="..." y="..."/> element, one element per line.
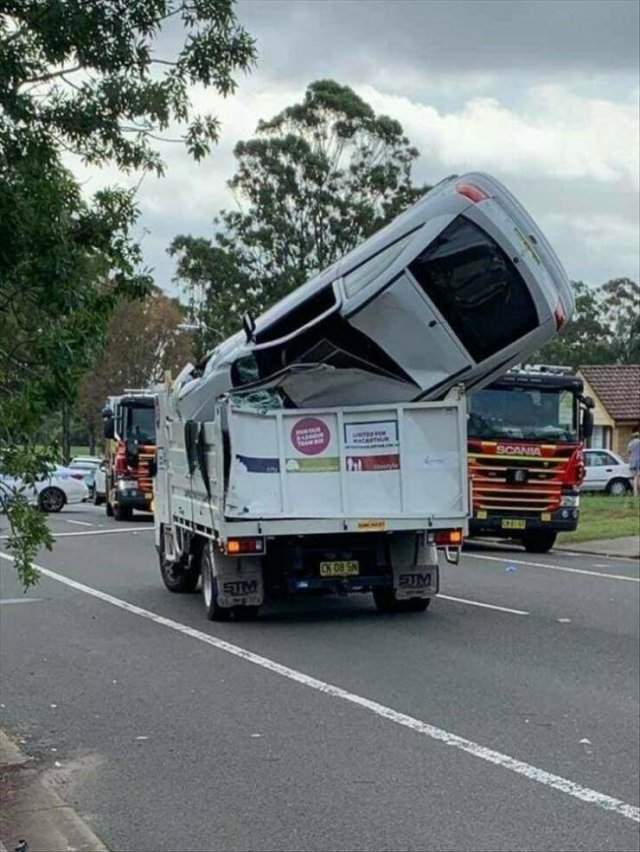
<point x="86" y="466"/>
<point x="100" y="484"/>
<point x="53" y="493"/>
<point x="606" y="471"/>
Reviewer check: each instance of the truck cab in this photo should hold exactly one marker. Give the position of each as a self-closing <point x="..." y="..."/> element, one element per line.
<point x="525" y="434"/>
<point x="130" y="433"/>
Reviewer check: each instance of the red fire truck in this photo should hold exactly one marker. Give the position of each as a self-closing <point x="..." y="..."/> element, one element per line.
<point x="130" y="430"/>
<point x="525" y="435"/>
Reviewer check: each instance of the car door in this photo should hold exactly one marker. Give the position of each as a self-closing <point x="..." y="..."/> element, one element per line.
<point x="595" y="477"/>
<point x="612" y="468"/>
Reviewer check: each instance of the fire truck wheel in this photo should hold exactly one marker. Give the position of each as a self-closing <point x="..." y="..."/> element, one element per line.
<point x="210" y="589"/>
<point x="51" y="500"/>
<point x="122" y="513"/>
<point x="539" y="541"/>
<point x="386" y="602"/>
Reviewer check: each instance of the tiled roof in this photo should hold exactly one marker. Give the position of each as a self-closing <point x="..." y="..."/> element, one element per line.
<point x="618" y="387"/>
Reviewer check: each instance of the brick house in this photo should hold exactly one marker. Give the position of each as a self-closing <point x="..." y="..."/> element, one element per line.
<point x="615" y="389"/>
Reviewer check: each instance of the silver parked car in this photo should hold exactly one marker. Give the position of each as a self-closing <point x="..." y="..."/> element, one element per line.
<point x="606" y="471"/>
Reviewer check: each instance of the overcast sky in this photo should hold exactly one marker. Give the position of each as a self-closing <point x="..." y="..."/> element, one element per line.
<point x="543" y="94"/>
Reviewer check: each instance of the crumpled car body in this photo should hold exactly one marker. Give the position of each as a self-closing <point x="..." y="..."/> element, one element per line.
<point x="455" y="290"/>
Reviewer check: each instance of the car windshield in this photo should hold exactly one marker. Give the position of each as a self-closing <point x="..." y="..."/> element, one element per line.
<point x="141" y="424"/>
<point x="523" y="413"/>
<point x="83" y="465"/>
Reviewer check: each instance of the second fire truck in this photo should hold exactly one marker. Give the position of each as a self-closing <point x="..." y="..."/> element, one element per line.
<point x="525" y="435"/>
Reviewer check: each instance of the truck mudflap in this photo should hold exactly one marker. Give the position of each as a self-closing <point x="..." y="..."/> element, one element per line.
<point x="239" y="580"/>
<point x="414" y="563"/>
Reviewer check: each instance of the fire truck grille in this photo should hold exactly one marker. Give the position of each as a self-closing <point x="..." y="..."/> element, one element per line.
<point x="518" y="485"/>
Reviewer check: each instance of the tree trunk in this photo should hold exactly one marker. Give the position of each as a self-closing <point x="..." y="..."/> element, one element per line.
<point x="92" y="438"/>
<point x="66" y="437"/>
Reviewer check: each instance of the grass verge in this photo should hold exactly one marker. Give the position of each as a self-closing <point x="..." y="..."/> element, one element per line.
<point x="602" y="516"/>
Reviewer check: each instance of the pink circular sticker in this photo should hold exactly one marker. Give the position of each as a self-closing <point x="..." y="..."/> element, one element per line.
<point x="310" y="436"/>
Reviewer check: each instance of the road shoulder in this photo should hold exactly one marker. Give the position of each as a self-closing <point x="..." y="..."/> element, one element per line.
<point x="33" y="812"/>
<point x="627" y="547"/>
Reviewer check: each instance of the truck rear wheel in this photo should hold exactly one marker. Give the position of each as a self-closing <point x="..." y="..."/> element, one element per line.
<point x="386" y="602"/>
<point x="179" y="577"/>
<point x="214" y="611"/>
<point x="539" y="541"/>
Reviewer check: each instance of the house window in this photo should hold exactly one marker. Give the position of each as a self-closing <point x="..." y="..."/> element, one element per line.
<point x="601" y="438"/>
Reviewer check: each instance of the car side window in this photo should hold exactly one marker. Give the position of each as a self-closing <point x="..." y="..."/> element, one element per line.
<point x="597" y="459"/>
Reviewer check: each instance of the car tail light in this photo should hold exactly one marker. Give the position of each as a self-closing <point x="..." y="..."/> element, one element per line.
<point x="559" y="316"/>
<point x="472" y="192"/>
<point x="449" y="538"/>
<point x="238" y="546"/>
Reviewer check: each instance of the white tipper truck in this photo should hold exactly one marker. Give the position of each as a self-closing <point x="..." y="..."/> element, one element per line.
<point x="323" y="448"/>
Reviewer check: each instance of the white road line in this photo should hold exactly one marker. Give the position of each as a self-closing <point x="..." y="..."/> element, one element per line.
<point x="95" y="532"/>
<point x="533" y="773"/>
<point x="79" y="523"/>
<point x="555" y="567"/>
<point x="484" y="605"/>
<point x="19" y="600"/>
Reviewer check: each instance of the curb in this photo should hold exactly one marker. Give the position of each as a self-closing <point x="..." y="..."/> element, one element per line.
<point x="34" y="813"/>
<point x="609" y="554"/>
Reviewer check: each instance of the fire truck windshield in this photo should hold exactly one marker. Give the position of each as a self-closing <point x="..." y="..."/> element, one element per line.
<point x="526" y="413"/>
<point x="140" y="424"/>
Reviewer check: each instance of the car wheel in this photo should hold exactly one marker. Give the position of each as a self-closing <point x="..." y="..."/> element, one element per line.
<point x="98" y="500"/>
<point x="109" y="509"/>
<point x="618" y="487"/>
<point x="51" y="499"/>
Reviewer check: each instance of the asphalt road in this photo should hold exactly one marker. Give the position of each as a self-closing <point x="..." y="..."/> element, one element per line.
<point x="325" y="725"/>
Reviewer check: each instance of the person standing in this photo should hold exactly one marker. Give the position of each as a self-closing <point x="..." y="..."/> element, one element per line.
<point x="633" y="452"/>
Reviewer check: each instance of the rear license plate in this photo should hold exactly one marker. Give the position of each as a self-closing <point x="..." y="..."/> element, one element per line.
<point x="513" y="524"/>
<point x="339" y="569"/>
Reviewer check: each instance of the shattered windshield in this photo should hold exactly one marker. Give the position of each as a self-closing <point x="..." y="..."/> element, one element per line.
<point x="523" y="413"/>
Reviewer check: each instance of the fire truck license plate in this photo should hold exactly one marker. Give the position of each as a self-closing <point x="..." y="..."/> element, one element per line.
<point x="513" y="524"/>
<point x="339" y="569"/>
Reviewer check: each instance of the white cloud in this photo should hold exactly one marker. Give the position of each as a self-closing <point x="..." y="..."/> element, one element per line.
<point x="570" y="158"/>
<point x="551" y="132"/>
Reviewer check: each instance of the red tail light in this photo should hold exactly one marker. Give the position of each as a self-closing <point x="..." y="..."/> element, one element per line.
<point x="559" y="316"/>
<point x="449" y="538"/>
<point x="472" y="192"/>
<point x="238" y="546"/>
